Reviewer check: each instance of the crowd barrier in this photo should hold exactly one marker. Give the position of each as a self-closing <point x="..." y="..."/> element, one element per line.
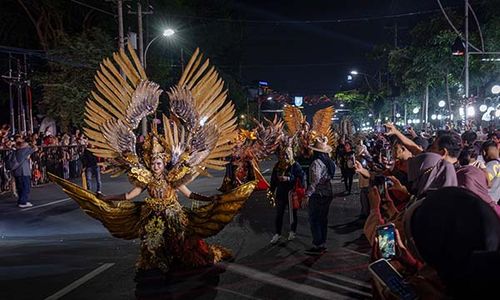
<point x="64" y="161"/>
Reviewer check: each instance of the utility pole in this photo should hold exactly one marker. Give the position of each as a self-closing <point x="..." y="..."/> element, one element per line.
<point x="29" y="103"/>
<point x="121" y="39"/>
<point x="140" y="49"/>
<point x="426" y="104"/>
<point x="22" y="120"/>
<point x="11" y="99"/>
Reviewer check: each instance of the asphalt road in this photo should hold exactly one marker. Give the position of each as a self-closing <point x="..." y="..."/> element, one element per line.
<point x="54" y="251"/>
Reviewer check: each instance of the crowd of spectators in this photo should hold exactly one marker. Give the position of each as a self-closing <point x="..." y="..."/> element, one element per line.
<point x="440" y="191"/>
<point x="58" y="154"/>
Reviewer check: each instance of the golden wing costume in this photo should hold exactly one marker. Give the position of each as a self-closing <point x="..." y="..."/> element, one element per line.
<point x="304" y="134"/>
<point x="197" y="135"/>
<point x="251" y="148"/>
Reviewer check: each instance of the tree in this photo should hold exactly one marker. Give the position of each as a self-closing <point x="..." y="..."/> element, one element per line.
<point x="68" y="78"/>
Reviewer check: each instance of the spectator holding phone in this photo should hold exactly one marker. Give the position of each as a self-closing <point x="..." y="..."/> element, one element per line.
<point x="19" y="165"/>
<point x="491" y="156"/>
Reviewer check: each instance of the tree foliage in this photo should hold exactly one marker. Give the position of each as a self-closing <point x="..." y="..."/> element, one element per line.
<point x="67" y="80"/>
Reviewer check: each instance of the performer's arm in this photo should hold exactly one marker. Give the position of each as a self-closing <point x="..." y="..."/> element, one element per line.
<point x="136" y="191"/>
<point x="191" y="195"/>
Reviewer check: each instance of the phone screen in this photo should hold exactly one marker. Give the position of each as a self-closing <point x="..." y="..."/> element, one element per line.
<point x="384" y="272"/>
<point x="387" y="240"/>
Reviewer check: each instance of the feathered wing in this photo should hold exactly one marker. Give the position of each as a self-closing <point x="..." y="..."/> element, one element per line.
<point x="116" y="106"/>
<point x="202" y="122"/>
<point x="293" y="119"/>
<point x="122" y="219"/>
<point x="322" y="121"/>
<point x="267" y="138"/>
<point x="208" y="220"/>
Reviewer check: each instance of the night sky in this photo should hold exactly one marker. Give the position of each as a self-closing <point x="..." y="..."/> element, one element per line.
<point x="308" y="59"/>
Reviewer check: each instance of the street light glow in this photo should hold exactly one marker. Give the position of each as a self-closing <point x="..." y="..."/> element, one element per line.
<point x="441" y="103"/>
<point x="439" y="117"/>
<point x="483" y="108"/>
<point x="433" y="117"/>
<point x="269" y="98"/>
<point x="168" y="32"/>
<point x="354" y="72"/>
<point x="495" y="89"/>
<point x="416" y="110"/>
<point x="398" y="115"/>
<point x="471" y="112"/>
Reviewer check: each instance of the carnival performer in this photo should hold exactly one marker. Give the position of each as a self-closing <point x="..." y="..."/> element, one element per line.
<point x="304" y="134"/>
<point x="196" y="136"/>
<point x="251" y="147"/>
<point x="287" y="189"/>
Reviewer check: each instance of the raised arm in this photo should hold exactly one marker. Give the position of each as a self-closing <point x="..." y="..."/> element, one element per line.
<point x="408" y="143"/>
<point x="192" y="195"/>
<point x="136" y="191"/>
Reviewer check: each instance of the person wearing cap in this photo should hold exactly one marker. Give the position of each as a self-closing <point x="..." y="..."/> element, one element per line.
<point x="319" y="194"/>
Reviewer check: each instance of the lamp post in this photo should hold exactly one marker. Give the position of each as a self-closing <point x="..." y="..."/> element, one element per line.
<point x="166" y="33"/>
<point x="169" y="32"/>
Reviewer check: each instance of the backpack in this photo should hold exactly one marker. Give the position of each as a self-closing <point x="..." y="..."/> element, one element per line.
<point x="11" y="161"/>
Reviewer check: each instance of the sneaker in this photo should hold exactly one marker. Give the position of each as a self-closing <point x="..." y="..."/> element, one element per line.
<point x="315" y="251"/>
<point x="25" y="205"/>
<point x="275" y="239"/>
<point x="291" y="236"/>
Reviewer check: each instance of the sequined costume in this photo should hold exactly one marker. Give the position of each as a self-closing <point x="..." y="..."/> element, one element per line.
<point x="251" y="147"/>
<point x="197" y="135"/>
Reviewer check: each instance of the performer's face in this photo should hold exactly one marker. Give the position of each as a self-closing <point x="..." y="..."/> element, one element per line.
<point x="158" y="166"/>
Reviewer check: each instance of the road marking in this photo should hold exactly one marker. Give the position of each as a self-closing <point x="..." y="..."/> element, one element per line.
<point x="282" y="282"/>
<point x="79" y="282"/>
<point x="354" y="251"/>
<point x="338" y="277"/>
<point x="46" y="204"/>
<point x="341" y="287"/>
<point x="236" y="293"/>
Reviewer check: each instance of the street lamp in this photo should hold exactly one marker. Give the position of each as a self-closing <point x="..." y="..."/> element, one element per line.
<point x="441" y="103"/>
<point x="353" y="72"/>
<point x="168" y="33"/>
<point x="416" y="110"/>
<point x="483" y="108"/>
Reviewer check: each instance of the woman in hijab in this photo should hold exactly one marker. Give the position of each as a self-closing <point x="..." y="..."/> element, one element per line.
<point x="475" y="180"/>
<point x="319" y="194"/>
<point x="429" y="171"/>
<point x="458" y="235"/>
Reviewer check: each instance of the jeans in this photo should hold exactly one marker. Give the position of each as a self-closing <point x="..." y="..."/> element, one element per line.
<point x="281" y="204"/>
<point x="23" y="187"/>
<point x="348" y="177"/>
<point x="365" y="204"/>
<point x="96" y="172"/>
<point x="318" y="218"/>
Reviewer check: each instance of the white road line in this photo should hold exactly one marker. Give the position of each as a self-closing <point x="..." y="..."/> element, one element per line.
<point x="46" y="204"/>
<point x="79" y="282"/>
<point x="338" y="277"/>
<point x="282" y="282"/>
<point x="354" y="251"/>
<point x="341" y="287"/>
<point x="236" y="293"/>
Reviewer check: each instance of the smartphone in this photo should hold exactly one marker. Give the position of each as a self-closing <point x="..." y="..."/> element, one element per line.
<point x="385" y="273"/>
<point x="386" y="235"/>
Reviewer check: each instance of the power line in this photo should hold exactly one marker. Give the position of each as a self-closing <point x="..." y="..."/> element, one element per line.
<point x="346" y="20"/>
<point x="94" y="8"/>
